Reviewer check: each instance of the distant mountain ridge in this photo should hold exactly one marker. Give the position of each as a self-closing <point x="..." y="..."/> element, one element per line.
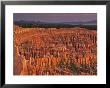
<point x="92" y="25"/>
<point x="93" y="22"/>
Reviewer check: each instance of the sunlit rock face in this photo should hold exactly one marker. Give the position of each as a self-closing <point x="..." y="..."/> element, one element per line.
<point x="52" y="51"/>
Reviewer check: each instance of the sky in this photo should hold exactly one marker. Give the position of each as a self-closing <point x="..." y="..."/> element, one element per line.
<point x="55" y="17"/>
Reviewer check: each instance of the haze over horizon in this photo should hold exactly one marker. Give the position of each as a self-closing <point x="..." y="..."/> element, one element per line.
<point x="55" y="17"/>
